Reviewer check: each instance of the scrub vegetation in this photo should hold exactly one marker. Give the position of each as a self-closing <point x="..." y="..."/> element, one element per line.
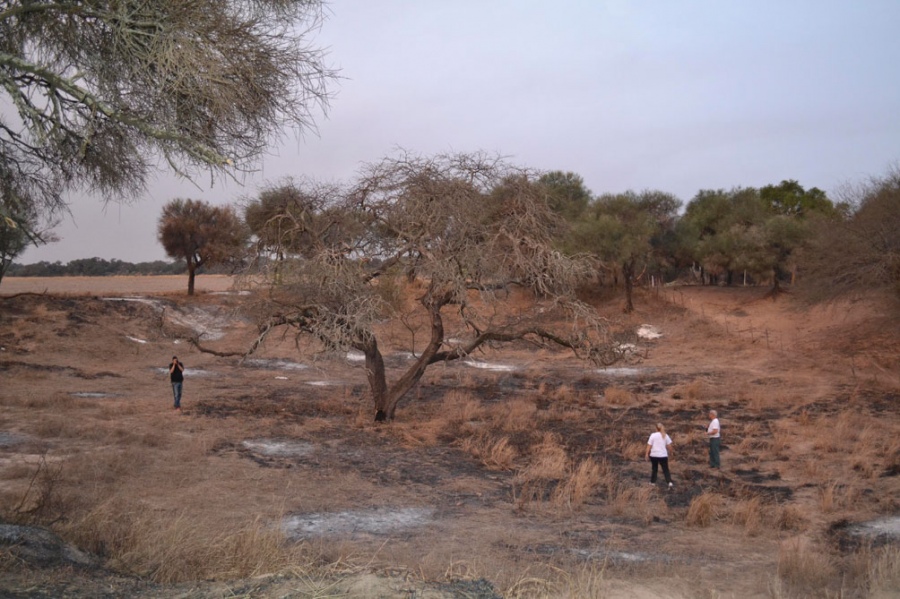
<point x="523" y="471"/>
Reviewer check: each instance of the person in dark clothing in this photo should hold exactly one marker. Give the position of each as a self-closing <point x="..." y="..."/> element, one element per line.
<point x="176" y="375"/>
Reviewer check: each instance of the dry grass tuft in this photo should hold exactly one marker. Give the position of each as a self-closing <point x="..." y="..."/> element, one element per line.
<point x="835" y="496"/>
<point x="617" y="396"/>
<point x="883" y="575"/>
<point x="804" y="568"/>
<point x="462" y="407"/>
<point x="749" y="515"/>
<point x="495" y="453"/>
<point x="579" y="485"/>
<point x="704" y="509"/>
<point x="791" y="517"/>
<point x="639" y="503"/>
<point x="697" y="390"/>
<point x="513" y="416"/>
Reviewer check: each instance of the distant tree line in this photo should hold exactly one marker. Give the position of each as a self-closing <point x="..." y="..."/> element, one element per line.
<point x="96" y="267"/>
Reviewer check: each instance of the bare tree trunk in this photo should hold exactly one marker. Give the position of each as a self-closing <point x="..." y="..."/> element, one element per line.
<point x="386" y="399"/>
<point x="628" y="277"/>
<point x="377" y="379"/>
<point x="192" y="270"/>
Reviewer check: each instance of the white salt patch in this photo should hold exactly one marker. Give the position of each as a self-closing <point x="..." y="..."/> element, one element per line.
<point x="490" y="366"/>
<point x="648" y="331"/>
<point x="281" y="378"/>
<point x="355" y="356"/>
<point x="369" y="521"/>
<point x="275" y="364"/>
<point x="324" y="383"/>
<point x="889" y="526"/>
<point x="614" y="555"/>
<point x="244" y="292"/>
<point x="619" y="371"/>
<point x="205" y="323"/>
<point x="280" y="448"/>
<point x="92" y="394"/>
<point x="135" y="339"/>
<point x="189" y="372"/>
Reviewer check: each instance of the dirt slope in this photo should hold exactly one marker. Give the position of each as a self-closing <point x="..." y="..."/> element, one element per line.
<point x="473" y="491"/>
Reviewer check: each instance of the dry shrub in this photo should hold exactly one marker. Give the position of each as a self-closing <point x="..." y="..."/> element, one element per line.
<point x="461" y="407"/>
<point x="579" y="485"/>
<point x="803" y="568"/>
<point x="791" y="517"/>
<point x="835" y="496"/>
<point x="420" y="434"/>
<point x="495" y="453"/>
<point x="883" y="575"/>
<point x="696" y="391"/>
<point x="749" y="515"/>
<point x="704" y="509"/>
<point x="513" y="416"/>
<point x="640" y="503"/>
<point x="564" y="395"/>
<point x="616" y="396"/>
<point x="170" y="548"/>
<point x="547" y="466"/>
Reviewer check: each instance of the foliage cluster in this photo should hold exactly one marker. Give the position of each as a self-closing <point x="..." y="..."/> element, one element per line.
<point x="96" y="267"/>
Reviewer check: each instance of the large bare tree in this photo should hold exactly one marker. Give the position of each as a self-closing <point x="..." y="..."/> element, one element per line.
<point x="105" y="92"/>
<point x="443" y="245"/>
<point x="859" y="250"/>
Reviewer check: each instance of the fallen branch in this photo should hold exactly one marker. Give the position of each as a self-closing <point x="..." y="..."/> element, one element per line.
<point x="222" y="354"/>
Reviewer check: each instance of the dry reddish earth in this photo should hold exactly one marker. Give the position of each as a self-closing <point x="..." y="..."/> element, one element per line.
<point x="808" y="399"/>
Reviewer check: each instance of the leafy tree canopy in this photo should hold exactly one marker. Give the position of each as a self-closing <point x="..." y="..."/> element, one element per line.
<point x="201" y="234"/>
<point x="105" y="91"/>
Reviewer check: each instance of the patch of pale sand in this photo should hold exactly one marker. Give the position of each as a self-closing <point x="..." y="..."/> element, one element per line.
<point x="132" y="285"/>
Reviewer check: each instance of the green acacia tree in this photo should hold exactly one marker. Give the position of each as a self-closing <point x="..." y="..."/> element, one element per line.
<point x="625" y="231"/>
<point x="566" y="193"/>
<point x="201" y="234"/>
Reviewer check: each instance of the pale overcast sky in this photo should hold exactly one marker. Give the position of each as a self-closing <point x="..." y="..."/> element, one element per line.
<point x="674" y="95"/>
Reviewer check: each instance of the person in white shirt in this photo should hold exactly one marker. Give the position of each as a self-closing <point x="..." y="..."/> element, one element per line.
<point x="658" y="452"/>
<point x="714" y="432"/>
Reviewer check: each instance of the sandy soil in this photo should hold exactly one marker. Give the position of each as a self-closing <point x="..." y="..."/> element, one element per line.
<point x="807" y="398"/>
<point x="155" y="285"/>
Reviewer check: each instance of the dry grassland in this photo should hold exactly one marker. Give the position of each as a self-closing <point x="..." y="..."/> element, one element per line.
<point x="521" y="483"/>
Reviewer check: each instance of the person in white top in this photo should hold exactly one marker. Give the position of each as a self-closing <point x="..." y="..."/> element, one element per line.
<point x="658" y="448"/>
<point x="714" y="432"/>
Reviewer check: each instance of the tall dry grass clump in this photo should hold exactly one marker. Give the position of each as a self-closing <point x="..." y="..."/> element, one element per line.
<point x="461" y="407"/>
<point x="579" y="485"/>
<point x="494" y="452"/>
<point x="552" y="477"/>
<point x="805" y="569"/>
<point x="748" y="514"/>
<point x="640" y="503"/>
<point x="883" y="573"/>
<point x="617" y="396"/>
<point x="177" y="547"/>
<point x="791" y="518"/>
<point x="513" y="416"/>
<point x="704" y="509"/>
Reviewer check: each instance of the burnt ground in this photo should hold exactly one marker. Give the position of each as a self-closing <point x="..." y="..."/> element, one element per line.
<point x="788" y="399"/>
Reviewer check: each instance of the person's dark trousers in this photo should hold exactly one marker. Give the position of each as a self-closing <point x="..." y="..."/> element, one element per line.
<point x="715" y="444"/>
<point x="655" y="464"/>
<point x="176" y="390"/>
